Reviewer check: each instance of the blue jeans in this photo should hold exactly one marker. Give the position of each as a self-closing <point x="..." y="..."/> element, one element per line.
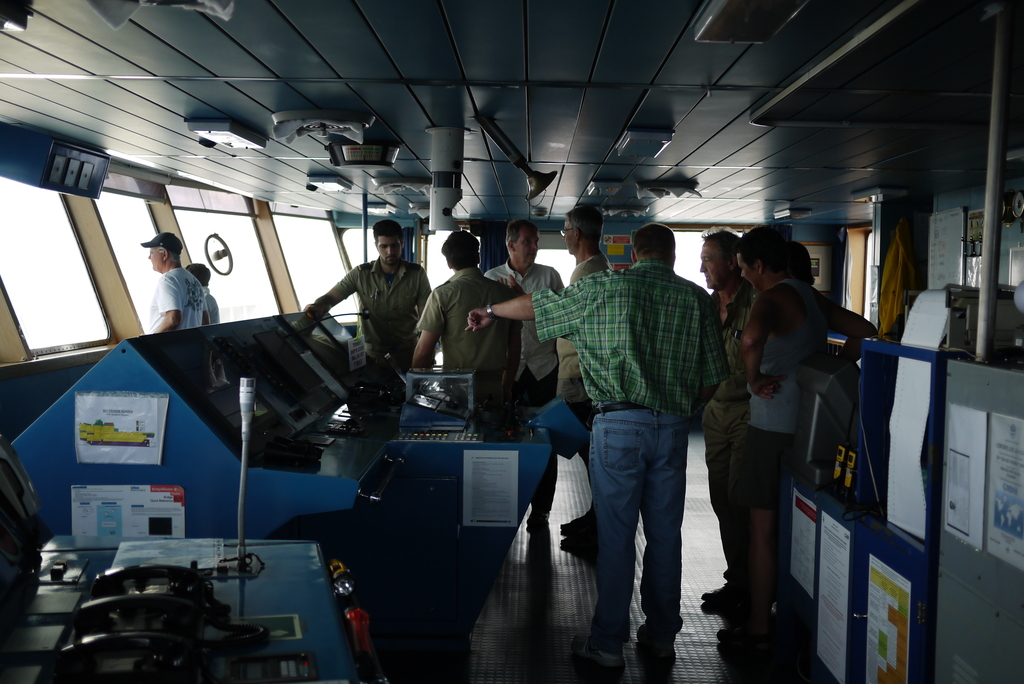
<point x="638" y="467"/>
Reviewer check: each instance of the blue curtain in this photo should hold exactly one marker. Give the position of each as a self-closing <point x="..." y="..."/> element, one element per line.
<point x="785" y="229"/>
<point x="493" y="251"/>
<point x="408" y="242"/>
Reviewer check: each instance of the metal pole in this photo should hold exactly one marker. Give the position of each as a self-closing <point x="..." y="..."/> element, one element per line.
<point x="366" y="227"/>
<point x="994" y="183"/>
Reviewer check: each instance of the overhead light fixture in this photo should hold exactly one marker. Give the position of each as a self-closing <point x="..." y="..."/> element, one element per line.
<point x="644" y="142"/>
<point x="603" y="188"/>
<point x="624" y="211"/>
<point x="791" y="213"/>
<point x="743" y="21"/>
<point x="368" y="156"/>
<point x="1015" y="153"/>
<point x="878" y="193"/>
<point x="662" y="189"/>
<point x="421" y="209"/>
<point x="320" y="123"/>
<point x="536" y="181"/>
<point x="395" y="184"/>
<point x="380" y="208"/>
<point x="328" y="182"/>
<point x="227" y="132"/>
<point x="14" y="16"/>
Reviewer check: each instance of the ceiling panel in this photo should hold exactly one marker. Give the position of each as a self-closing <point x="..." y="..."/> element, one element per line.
<point x="640" y="38"/>
<point x="601" y="117"/>
<point x="488" y="38"/>
<point x="557" y="54"/>
<point x="415" y="36"/>
<point x="554" y="113"/>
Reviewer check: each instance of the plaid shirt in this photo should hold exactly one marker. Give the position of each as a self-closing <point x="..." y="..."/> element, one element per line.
<point x="644" y="335"/>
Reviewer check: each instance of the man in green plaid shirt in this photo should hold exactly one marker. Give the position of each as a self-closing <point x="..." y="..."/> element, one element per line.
<point x="651" y="355"/>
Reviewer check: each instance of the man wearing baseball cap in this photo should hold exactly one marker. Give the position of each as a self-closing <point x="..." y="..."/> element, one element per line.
<point x="178" y="302"/>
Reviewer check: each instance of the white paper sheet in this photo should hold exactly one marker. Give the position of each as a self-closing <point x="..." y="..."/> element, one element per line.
<point x="207" y="553"/>
<point x="907" y="425"/>
<point x="926" y="325"/>
<point x="120" y="427"/>
<point x="888" y="624"/>
<point x="801" y="556"/>
<point x="1006" y="489"/>
<point x="966" y="448"/>
<point x="490" y="488"/>
<point x="834" y="591"/>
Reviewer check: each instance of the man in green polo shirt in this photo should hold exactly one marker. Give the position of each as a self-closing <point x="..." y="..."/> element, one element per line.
<point x="651" y="354"/>
<point x="392" y="293"/>
<point x="494" y="355"/>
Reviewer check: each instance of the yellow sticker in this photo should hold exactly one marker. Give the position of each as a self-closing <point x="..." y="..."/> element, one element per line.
<point x="617" y="250"/>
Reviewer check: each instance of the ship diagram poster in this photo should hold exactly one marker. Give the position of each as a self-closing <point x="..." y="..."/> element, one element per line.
<point x="120" y="427"/>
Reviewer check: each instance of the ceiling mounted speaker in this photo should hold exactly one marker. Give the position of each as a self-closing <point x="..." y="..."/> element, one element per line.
<point x="369" y="156"/>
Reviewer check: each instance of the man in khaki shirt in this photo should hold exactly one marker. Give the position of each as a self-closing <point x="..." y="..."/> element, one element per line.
<point x="494" y="356"/>
<point x="582" y="233"/>
<point x="725" y="418"/>
<point x="392" y="293"/>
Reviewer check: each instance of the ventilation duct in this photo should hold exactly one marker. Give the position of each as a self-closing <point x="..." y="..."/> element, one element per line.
<point x="321" y="124"/>
<point x="117" y="12"/>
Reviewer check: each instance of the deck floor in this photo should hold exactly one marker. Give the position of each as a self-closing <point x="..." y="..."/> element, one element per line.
<point x="543" y="596"/>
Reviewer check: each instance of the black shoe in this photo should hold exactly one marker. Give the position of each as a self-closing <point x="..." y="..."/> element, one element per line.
<point x="582" y="542"/>
<point x="725" y="598"/>
<point x="536" y="521"/>
<point x="579" y="524"/>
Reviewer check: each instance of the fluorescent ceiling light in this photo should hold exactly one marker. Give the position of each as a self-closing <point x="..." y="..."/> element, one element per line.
<point x="14" y="16"/>
<point x="661" y="189"/>
<point x="328" y="182"/>
<point x="791" y="213"/>
<point x="603" y="188"/>
<point x="395" y="184"/>
<point x="227" y="132"/>
<point x="380" y="208"/>
<point x="623" y="211"/>
<point x="743" y="21"/>
<point x="878" y="193"/>
<point x="644" y="142"/>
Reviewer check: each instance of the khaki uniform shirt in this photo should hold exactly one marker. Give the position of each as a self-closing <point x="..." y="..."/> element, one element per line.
<point x="737" y="314"/>
<point x="484" y="351"/>
<point x="394" y="309"/>
<point x="568" y="357"/>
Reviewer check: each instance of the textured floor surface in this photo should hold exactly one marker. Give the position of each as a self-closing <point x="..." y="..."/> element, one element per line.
<point x="543" y="596"/>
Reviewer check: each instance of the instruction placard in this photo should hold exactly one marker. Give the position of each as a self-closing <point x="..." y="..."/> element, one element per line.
<point x="490" y="488"/>
<point x="128" y="511"/>
<point x="1006" y="489"/>
<point x="888" y="625"/>
<point x="120" y="427"/>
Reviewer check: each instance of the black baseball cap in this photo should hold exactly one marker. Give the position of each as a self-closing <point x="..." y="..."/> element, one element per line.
<point x="168" y="241"/>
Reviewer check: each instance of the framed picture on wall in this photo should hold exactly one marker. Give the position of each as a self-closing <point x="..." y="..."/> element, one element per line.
<point x="821" y="265"/>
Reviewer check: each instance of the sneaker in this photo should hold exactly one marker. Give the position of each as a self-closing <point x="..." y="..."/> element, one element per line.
<point x="658" y="649"/>
<point x="581" y="647"/>
<point x="724" y="598"/>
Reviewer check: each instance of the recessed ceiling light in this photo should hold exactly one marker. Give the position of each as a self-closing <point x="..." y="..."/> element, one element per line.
<point x="227" y="132"/>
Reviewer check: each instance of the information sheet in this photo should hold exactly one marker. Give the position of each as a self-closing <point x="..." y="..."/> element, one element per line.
<point x="966" y="447"/>
<point x="206" y="553"/>
<point x="834" y="591"/>
<point x="1006" y="490"/>
<point x="490" y="488"/>
<point x="888" y="624"/>
<point x="128" y="511"/>
<point x="120" y="427"/>
<point x="907" y="425"/>
<point x="801" y="557"/>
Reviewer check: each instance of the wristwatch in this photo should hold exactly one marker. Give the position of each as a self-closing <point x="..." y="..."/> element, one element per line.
<point x="490" y="312"/>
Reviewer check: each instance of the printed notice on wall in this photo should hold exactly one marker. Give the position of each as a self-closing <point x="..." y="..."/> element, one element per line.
<point x="120" y="427"/>
<point x="888" y="624"/>
<point x="1006" y="489"/>
<point x="156" y="511"/>
<point x="964" y="503"/>
<point x="834" y="592"/>
<point x="801" y="557"/>
<point x="490" y="488"/>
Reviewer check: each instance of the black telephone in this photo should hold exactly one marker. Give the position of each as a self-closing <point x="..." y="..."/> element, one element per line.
<point x="153" y="657"/>
<point x="172" y="580"/>
<point x="140" y="613"/>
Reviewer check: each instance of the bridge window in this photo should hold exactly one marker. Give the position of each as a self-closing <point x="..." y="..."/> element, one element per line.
<point x="311" y="252"/>
<point x="44" y="272"/>
<point x="128" y="224"/>
<point x="246" y="292"/>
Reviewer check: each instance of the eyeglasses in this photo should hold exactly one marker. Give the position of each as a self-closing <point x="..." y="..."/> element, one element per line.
<point x="563" y="231"/>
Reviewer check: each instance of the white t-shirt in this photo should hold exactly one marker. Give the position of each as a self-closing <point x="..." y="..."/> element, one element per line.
<point x="212" y="306"/>
<point x="178" y="290"/>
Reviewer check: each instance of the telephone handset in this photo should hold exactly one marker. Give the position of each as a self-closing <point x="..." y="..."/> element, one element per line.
<point x="140" y="613"/>
<point x="154" y="657"/>
<point x="171" y="580"/>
